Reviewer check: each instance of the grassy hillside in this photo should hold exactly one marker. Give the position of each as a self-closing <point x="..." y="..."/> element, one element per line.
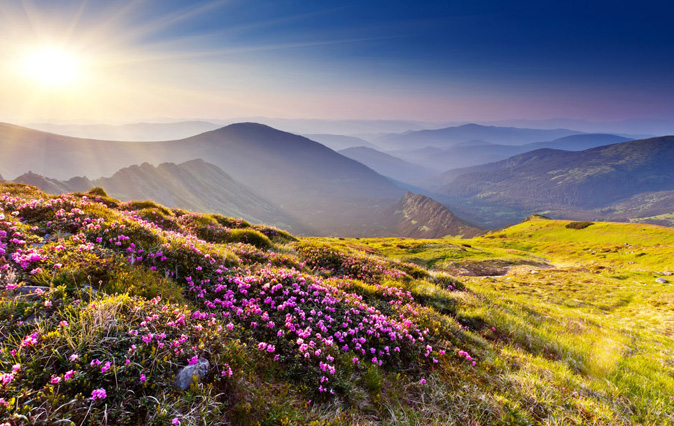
<point x="571" y="325"/>
<point x="104" y="303"/>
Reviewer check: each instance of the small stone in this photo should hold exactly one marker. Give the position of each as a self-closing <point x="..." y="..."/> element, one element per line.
<point x="667" y="273"/>
<point x="184" y="378"/>
<point x="534" y="272"/>
<point x="661" y="280"/>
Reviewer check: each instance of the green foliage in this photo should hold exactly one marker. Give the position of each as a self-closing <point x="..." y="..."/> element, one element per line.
<point x="97" y="191"/>
<point x="147" y="204"/>
<point x="575" y="331"/>
<point x="578" y="225"/>
<point x="228" y="222"/>
<point x="143" y="283"/>
<point x="248" y="236"/>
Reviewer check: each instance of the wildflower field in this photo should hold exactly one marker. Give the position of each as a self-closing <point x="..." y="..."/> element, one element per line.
<point x="104" y="303"/>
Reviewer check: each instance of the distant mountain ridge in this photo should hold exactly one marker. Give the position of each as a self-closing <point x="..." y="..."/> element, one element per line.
<point x="549" y="179"/>
<point x="184" y="185"/>
<point x="476" y="152"/>
<point x="339" y="142"/>
<point x="194" y="185"/>
<point x="386" y="164"/>
<point x="452" y="135"/>
<point x="322" y="188"/>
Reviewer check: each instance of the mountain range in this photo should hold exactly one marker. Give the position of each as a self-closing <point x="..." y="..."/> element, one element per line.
<point x="387" y="164"/>
<point x="194" y="185"/>
<point x="567" y="182"/>
<point x="199" y="186"/>
<point x="320" y="187"/>
<point x="262" y="174"/>
<point x="450" y="136"/>
<point x="475" y="152"/>
<point x="340" y="142"/>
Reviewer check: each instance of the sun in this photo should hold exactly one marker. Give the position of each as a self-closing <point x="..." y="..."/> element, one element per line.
<point x="51" y="67"/>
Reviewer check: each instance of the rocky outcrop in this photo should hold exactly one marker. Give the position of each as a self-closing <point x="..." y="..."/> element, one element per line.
<point x="418" y="216"/>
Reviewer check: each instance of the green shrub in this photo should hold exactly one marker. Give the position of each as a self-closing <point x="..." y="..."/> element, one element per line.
<point x="98" y="191"/>
<point x="137" y="281"/>
<point x="579" y="225"/>
<point x="147" y="204"/>
<point x="275" y="234"/>
<point x="229" y="222"/>
<point x="248" y="236"/>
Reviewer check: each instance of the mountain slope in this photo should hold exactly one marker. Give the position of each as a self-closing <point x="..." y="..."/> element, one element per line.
<point x="473" y="153"/>
<point x="418" y="216"/>
<point x="339" y="142"/>
<point x="579" y="142"/>
<point x="387" y="164"/>
<point x="587" y="179"/>
<point x="194" y="185"/>
<point x="320" y="187"/>
<point x="55" y="186"/>
<point x="451" y="135"/>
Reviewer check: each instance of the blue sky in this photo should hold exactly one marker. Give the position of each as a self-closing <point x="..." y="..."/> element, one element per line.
<point x="435" y="61"/>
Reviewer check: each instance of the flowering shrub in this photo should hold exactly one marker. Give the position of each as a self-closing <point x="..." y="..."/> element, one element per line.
<point x="323" y="258"/>
<point x="195" y="288"/>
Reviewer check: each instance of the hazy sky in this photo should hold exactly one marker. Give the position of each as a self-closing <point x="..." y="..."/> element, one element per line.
<point x="115" y="60"/>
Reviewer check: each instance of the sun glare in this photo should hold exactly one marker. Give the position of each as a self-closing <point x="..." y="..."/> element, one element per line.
<point x="52" y="67"/>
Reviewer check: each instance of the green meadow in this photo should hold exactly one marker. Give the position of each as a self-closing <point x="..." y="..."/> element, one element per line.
<point x="566" y="319"/>
<point x="103" y="304"/>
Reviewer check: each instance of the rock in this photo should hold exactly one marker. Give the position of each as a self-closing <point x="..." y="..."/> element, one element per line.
<point x="184" y="378"/>
<point x="661" y="280"/>
<point x="667" y="274"/>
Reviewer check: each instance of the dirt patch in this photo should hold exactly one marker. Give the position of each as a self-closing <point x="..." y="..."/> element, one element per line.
<point x="490" y="268"/>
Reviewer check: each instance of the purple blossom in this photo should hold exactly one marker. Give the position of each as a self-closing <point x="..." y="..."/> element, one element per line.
<point x="98" y="394"/>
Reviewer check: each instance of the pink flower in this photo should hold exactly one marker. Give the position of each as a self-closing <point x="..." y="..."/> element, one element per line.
<point x="16" y="368"/>
<point x="98" y="394"/>
<point x="422" y="381"/>
<point x="95" y="362"/>
<point x="30" y="340"/>
<point x="54" y="379"/>
<point x="142" y="377"/>
<point x="74" y="357"/>
<point x="193" y="360"/>
<point x="63" y="324"/>
<point x="106" y="367"/>
<point x="6" y="378"/>
<point x="69" y="375"/>
<point x="175" y="421"/>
